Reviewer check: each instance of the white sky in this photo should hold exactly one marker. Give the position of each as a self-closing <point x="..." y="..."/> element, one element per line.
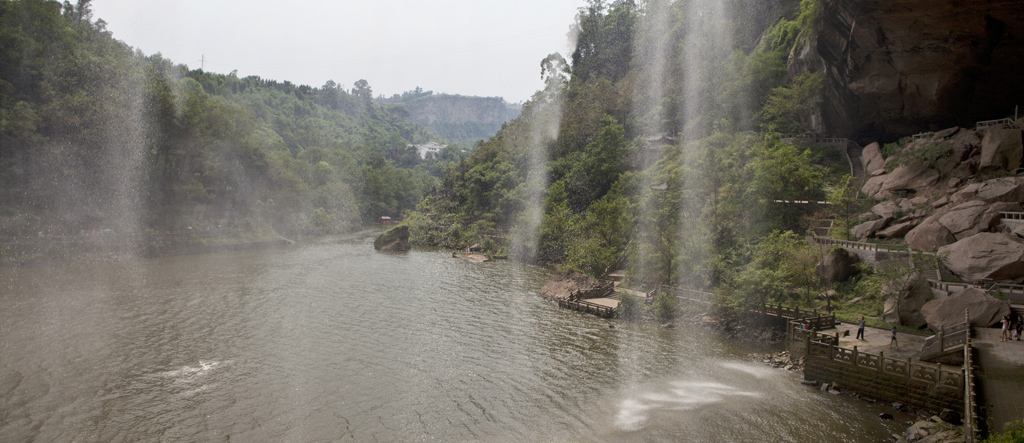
<point x="469" y="47"/>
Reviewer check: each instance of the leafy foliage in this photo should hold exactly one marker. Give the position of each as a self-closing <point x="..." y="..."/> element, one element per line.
<point x="95" y="135"/>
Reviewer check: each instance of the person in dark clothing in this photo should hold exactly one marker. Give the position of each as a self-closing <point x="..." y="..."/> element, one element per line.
<point x="860" y="328"/>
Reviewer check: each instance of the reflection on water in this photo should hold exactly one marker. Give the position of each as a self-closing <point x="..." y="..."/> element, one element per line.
<point x="334" y="342"/>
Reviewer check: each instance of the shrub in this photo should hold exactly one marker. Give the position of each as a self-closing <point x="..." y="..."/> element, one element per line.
<point x="1014" y="433"/>
<point x="666" y="306"/>
<point x="629" y="307"/>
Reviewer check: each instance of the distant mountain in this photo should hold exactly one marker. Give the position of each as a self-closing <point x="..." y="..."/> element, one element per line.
<point x="456" y="118"/>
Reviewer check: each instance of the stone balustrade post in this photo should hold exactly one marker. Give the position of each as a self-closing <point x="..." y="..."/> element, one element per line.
<point x="881" y="361"/>
<point x="855" y="353"/>
<point x="909" y="370"/>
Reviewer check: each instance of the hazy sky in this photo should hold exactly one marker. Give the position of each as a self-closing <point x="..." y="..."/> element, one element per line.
<point x="469" y="47"/>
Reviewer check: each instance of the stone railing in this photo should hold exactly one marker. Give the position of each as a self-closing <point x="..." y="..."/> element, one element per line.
<point x="812" y="139"/>
<point x="802" y="202"/>
<point x="932" y="373"/>
<point x="1013" y="293"/>
<point x="990" y="123"/>
<point x="796" y="332"/>
<point x="864" y="246"/>
<point x="946" y="340"/>
<point x="1012" y="216"/>
<point x="970" y="391"/>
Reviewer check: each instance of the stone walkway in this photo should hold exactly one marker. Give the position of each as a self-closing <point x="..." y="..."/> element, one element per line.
<point x="1001" y="378"/>
<point x="877" y="340"/>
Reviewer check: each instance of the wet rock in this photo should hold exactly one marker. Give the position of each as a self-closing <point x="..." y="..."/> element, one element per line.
<point x="395" y="239"/>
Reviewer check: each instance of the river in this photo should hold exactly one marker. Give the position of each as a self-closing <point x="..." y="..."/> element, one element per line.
<point x="332" y="341"/>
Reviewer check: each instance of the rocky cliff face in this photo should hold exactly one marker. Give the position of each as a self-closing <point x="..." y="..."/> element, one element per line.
<point x="898" y="67"/>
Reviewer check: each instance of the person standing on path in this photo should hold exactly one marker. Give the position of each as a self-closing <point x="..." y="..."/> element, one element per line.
<point x="892" y="342"/>
<point x="1006" y="328"/>
<point x="860" y="328"/>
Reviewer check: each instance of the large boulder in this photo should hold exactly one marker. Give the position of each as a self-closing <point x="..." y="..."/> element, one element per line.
<point x="911" y="301"/>
<point x="985" y="310"/>
<point x="1001" y="149"/>
<point x="987" y="255"/>
<point x="969" y="218"/>
<point x="837" y="266"/>
<point x="873" y="187"/>
<point x="896" y="231"/>
<point x="887" y="208"/>
<point x="929" y="236"/>
<point x="871" y="158"/>
<point x="1003" y="189"/>
<point x="867" y="229"/>
<point x="914" y="175"/>
<point x="395" y="239"/>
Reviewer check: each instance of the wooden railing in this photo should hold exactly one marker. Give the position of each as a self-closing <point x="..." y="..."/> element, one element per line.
<point x="587" y="307"/>
<point x="603" y="290"/>
<point x="783" y="311"/>
<point x="688" y="294"/>
<point x="1012" y="216"/>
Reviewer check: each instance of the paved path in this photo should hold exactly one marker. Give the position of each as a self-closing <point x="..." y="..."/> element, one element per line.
<point x="1001" y="378"/>
<point x="877" y="340"/>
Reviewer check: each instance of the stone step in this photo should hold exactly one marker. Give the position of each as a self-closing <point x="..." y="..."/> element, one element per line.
<point x="617" y="275"/>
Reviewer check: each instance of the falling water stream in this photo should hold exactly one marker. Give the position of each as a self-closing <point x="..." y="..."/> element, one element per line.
<point x="331" y="341"/>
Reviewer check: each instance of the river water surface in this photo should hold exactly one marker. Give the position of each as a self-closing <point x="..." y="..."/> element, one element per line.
<point x="332" y="341"/>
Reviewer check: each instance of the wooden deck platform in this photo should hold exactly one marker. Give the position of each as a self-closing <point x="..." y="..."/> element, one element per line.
<point x="601" y="307"/>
